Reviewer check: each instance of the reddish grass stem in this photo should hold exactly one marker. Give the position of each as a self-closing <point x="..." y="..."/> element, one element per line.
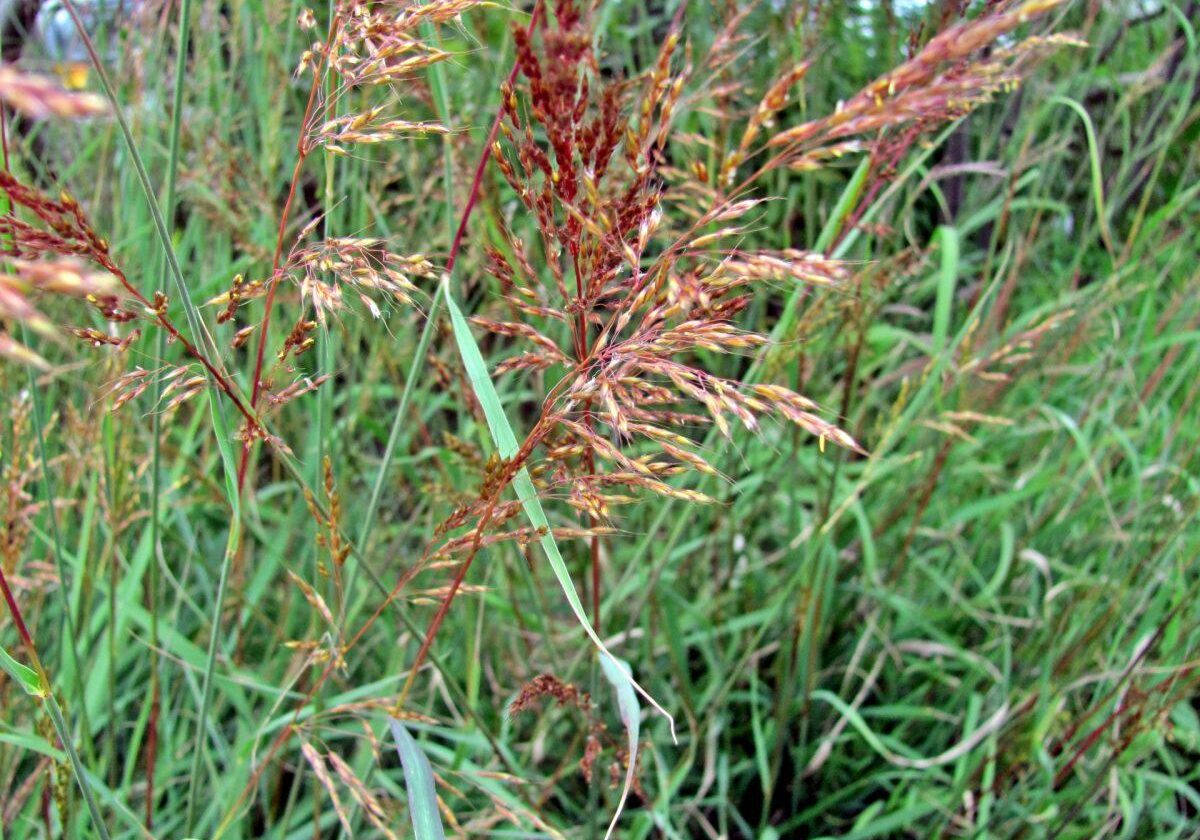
<point x="18" y="619"/>
<point x="451" y="258"/>
<point x="455" y="246"/>
<point x="510" y="471"/>
<point x="481" y="166"/>
<point x="303" y="149"/>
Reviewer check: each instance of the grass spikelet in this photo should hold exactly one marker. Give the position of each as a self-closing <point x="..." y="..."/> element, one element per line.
<point x="321" y="771"/>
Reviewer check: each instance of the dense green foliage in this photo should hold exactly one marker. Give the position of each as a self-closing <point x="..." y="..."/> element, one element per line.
<point x="986" y="625"/>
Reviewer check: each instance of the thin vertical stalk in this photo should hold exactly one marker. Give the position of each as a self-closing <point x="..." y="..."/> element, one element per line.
<point x="112" y="485"/>
<point x="324" y="396"/>
<point x="232" y="547"/>
<point x="64" y="735"/>
<point x="303" y="149"/>
<point x="46" y="694"/>
<point x="181" y="46"/>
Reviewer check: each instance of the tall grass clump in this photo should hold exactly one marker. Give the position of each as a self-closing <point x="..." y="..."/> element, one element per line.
<point x="615" y="418"/>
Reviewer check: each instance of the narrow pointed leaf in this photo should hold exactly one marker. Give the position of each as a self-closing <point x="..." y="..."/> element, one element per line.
<point x="617" y="672"/>
<point x="947" y="238"/>
<point x="418" y="779"/>
<point x="23" y="674"/>
<point x="506" y="443"/>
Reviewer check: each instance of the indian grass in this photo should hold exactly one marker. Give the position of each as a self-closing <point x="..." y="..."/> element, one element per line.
<point x="1000" y="584"/>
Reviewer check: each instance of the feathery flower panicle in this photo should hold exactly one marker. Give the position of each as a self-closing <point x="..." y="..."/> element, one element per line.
<point x="585" y="157"/>
<point x="49" y="252"/>
<point x="360" y="264"/>
<point x="945" y="80"/>
<point x="367" y="128"/>
<point x="379" y="43"/>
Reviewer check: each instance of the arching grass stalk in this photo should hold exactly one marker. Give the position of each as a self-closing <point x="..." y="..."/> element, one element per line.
<point x="181" y="44"/>
<point x="41" y="688"/>
<point x="210" y="359"/>
<point x="160" y="225"/>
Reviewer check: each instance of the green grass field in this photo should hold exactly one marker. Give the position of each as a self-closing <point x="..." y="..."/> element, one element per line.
<point x="984" y="623"/>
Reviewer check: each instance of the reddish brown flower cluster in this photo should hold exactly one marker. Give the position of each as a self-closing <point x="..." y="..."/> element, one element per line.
<point x="378" y="43"/>
<point x="589" y="177"/>
<point x="945" y="80"/>
<point x="548" y="685"/>
<point x="55" y="252"/>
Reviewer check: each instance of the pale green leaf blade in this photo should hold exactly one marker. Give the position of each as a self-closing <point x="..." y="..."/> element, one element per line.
<point x="618" y="672"/>
<point x="947" y="239"/>
<point x="1097" y="169"/>
<point x="506" y="443"/>
<point x="23" y="674"/>
<point x="418" y="780"/>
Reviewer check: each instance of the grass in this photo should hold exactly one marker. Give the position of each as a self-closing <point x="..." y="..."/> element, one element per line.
<point x="983" y="626"/>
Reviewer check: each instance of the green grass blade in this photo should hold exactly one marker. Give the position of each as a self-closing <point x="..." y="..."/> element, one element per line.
<point x="947" y="239"/>
<point x="1097" y="169"/>
<point x="25" y="676"/>
<point x="846" y="203"/>
<point x="506" y="444"/>
<point x="418" y="779"/>
<point x="85" y="785"/>
<point x="160" y="348"/>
